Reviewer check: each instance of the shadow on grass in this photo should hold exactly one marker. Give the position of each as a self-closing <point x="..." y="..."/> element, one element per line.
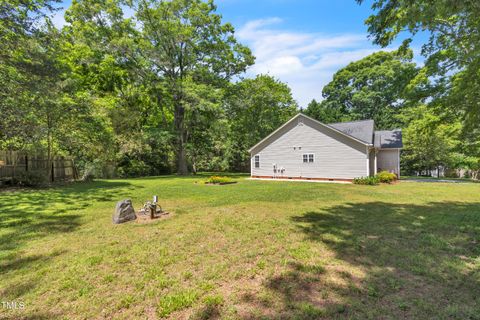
<point x="394" y="261"/>
<point x="27" y="215"/>
<point x="18" y="315"/>
<point x="198" y="175"/>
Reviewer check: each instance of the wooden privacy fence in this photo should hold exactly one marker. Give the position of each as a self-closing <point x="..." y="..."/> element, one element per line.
<point x="15" y="163"/>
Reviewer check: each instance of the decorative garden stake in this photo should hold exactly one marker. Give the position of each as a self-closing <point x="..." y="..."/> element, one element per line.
<point x="152" y="210"/>
<point x="153" y="207"/>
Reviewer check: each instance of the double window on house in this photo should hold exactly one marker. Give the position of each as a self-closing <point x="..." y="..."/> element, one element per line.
<point x="308" y="158"/>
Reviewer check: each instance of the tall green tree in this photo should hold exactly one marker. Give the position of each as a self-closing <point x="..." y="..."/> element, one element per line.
<point x="206" y="127"/>
<point x="21" y="24"/>
<point x="185" y="41"/>
<point x="154" y="73"/>
<point x="430" y="142"/>
<point x="326" y="112"/>
<point x="453" y="48"/>
<point x="371" y="88"/>
<point x="124" y="116"/>
<point x="255" y="108"/>
<point x="36" y="100"/>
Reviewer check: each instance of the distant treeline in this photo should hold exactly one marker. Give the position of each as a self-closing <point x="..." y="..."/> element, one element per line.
<point x="163" y="91"/>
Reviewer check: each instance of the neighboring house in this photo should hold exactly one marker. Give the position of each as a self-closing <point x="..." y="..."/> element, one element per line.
<point x="304" y="148"/>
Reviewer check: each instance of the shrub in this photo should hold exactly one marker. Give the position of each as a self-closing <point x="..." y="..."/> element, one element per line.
<point x="219" y="180"/>
<point x="370" y="181"/>
<point x="381" y="177"/>
<point x="386" y="177"/>
<point x="134" y="168"/>
<point x="32" y="179"/>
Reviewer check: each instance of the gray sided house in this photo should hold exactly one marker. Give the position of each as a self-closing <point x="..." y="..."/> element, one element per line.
<point x="304" y="148"/>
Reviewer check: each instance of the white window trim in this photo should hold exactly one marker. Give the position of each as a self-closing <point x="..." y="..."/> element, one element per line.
<point x="255" y="161"/>
<point x="308" y="158"/>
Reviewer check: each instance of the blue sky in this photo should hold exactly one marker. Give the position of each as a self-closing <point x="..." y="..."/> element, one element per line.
<point x="300" y="42"/>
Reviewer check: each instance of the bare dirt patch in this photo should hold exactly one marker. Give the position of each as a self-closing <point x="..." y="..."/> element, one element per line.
<point x="144" y="218"/>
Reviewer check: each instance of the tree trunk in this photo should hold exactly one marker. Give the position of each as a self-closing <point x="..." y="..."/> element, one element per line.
<point x="182" y="168"/>
<point x="49" y="150"/>
<point x="194" y="165"/>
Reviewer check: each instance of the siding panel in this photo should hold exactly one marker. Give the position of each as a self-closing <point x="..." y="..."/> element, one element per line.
<point x="388" y="161"/>
<point x="336" y="156"/>
<point x="372" y="162"/>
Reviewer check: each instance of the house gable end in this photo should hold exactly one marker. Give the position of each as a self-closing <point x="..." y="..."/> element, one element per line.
<point x="307" y="149"/>
<point x="301" y="119"/>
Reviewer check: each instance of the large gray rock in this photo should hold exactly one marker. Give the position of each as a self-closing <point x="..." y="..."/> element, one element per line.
<point x="124" y="212"/>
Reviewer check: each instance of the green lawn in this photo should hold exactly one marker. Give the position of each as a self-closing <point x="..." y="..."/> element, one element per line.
<point x="441" y="179"/>
<point x="251" y="250"/>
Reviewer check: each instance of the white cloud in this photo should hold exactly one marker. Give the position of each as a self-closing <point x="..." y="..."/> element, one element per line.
<point x="306" y="61"/>
<point x="58" y="18"/>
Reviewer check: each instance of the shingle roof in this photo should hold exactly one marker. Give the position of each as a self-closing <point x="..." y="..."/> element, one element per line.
<point x="362" y="130"/>
<point x="388" y="139"/>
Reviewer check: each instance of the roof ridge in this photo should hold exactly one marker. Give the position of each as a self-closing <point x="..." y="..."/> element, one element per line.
<point x="351" y="121"/>
<point x="397" y="129"/>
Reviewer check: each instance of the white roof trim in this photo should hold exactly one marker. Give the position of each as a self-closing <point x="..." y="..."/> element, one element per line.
<point x="316" y="121"/>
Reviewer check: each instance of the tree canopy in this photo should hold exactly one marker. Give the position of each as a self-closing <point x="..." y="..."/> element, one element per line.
<point x="255" y="108"/>
<point x="147" y="94"/>
<point x="453" y="48"/>
<point x="448" y="83"/>
<point x="371" y="88"/>
<point x="162" y="89"/>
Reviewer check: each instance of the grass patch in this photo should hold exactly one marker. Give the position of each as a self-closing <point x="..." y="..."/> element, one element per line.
<point x="254" y="250"/>
<point x="176" y="301"/>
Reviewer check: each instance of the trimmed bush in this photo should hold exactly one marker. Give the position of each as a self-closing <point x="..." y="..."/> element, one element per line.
<point x="219" y="180"/>
<point x="381" y="177"/>
<point x="386" y="177"/>
<point x="369" y="181"/>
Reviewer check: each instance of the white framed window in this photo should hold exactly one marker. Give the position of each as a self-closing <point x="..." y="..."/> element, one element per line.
<point x="308" y="158"/>
<point x="257" y="161"/>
